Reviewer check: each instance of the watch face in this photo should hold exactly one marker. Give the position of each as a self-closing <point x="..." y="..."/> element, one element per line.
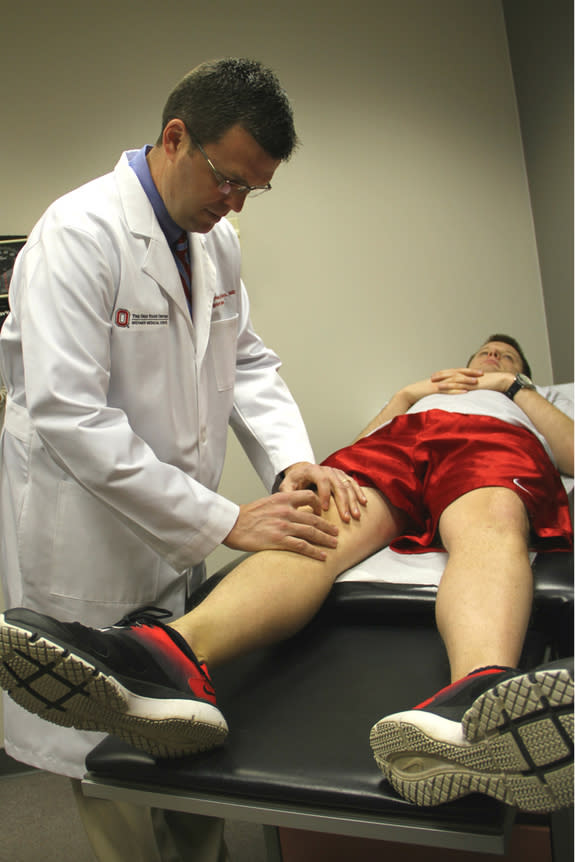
<point x="525" y="382"/>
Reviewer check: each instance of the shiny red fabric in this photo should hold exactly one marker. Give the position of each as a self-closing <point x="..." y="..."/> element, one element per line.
<point x="422" y="462"/>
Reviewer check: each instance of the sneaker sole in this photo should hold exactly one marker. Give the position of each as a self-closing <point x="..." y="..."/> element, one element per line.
<point x="515" y="744"/>
<point x="65" y="689"/>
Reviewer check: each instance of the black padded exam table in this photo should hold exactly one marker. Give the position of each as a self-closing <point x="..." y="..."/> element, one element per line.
<point x="298" y="752"/>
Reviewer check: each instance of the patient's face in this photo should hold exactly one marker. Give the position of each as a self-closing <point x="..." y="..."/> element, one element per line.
<point x="497" y="356"/>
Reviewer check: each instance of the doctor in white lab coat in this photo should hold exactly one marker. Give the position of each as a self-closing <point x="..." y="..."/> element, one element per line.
<point x="119" y="401"/>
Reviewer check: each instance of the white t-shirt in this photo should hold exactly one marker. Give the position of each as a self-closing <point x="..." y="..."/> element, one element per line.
<point x="486" y="402"/>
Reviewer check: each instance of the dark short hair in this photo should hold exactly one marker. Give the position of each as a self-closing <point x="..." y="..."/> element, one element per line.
<point x="220" y="94"/>
<point x="507" y="339"/>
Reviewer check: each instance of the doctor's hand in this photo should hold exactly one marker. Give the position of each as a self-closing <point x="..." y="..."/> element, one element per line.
<point x="328" y="482"/>
<point x="287" y="521"/>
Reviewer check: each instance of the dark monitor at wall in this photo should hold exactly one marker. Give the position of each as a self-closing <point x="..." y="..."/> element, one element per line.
<point x="9" y="248"/>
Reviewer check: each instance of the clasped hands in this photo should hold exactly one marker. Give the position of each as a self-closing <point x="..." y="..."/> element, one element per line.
<point x="456" y="381"/>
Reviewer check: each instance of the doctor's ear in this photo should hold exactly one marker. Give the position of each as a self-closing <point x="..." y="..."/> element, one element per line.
<point x="174" y="136"/>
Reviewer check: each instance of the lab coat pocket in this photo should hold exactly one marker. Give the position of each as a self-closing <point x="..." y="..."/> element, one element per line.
<point x="95" y="558"/>
<point x="223" y="346"/>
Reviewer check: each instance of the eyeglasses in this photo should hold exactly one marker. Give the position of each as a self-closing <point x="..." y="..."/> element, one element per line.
<point x="227" y="186"/>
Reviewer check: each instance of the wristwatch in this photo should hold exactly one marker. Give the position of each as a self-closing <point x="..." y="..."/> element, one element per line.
<point x="520" y="382"/>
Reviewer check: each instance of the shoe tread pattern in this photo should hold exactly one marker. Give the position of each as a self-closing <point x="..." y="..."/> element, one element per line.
<point x="49" y="681"/>
<point x="519" y="748"/>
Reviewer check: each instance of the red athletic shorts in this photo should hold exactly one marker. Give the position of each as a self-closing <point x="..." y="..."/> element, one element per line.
<point x="422" y="462"/>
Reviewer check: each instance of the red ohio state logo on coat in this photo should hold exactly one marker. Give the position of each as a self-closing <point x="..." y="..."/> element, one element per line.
<point x="122" y="317"/>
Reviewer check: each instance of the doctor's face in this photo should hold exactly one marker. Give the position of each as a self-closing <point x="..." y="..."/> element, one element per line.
<point x="189" y="187"/>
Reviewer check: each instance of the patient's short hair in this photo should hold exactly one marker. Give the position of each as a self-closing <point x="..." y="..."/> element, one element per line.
<point x="232" y="91"/>
<point x="507" y="339"/>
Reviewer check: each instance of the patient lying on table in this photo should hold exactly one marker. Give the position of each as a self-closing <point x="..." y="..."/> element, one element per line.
<point x="468" y="461"/>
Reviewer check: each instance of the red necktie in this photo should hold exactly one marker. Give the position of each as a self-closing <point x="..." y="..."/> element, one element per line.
<point x="182" y="251"/>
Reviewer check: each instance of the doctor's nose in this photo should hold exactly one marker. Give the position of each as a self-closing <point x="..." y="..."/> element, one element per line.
<point x="235" y="201"/>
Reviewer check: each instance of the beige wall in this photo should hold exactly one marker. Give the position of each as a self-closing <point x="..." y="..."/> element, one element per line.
<point x="396" y="239"/>
<point x="540" y="37"/>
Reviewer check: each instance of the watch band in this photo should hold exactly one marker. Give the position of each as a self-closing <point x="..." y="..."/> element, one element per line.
<point x="513" y="389"/>
<point x="521" y="382"/>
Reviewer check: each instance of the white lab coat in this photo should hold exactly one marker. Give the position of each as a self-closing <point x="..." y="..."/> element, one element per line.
<point x="116" y="421"/>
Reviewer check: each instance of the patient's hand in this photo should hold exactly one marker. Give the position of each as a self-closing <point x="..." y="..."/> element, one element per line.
<point x="414" y="392"/>
<point x="455" y="381"/>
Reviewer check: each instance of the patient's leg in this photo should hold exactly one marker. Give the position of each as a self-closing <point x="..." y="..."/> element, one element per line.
<point x="494" y="730"/>
<point x="272" y="594"/>
<point x="140" y="679"/>
<point x="485" y="594"/>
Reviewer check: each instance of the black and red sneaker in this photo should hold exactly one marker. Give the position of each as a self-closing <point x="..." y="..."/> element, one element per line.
<point x="138" y="680"/>
<point x="506" y="734"/>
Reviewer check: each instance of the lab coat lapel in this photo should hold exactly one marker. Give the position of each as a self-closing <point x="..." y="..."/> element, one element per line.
<point x="203" y="292"/>
<point x="158" y="261"/>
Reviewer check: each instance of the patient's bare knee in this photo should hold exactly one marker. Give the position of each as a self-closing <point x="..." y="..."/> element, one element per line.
<point x="496" y="511"/>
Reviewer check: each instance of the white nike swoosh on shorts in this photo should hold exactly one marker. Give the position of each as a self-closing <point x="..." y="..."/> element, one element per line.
<point x="523" y="488"/>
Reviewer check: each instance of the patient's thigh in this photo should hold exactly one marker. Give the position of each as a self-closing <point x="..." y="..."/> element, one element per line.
<point x="379" y="524"/>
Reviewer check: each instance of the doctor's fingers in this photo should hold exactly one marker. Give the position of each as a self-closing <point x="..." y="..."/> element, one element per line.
<point x="289" y="521"/>
<point x="346" y="492"/>
<point x="299" y="514"/>
<point x="307" y="539"/>
<point x="300" y="530"/>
